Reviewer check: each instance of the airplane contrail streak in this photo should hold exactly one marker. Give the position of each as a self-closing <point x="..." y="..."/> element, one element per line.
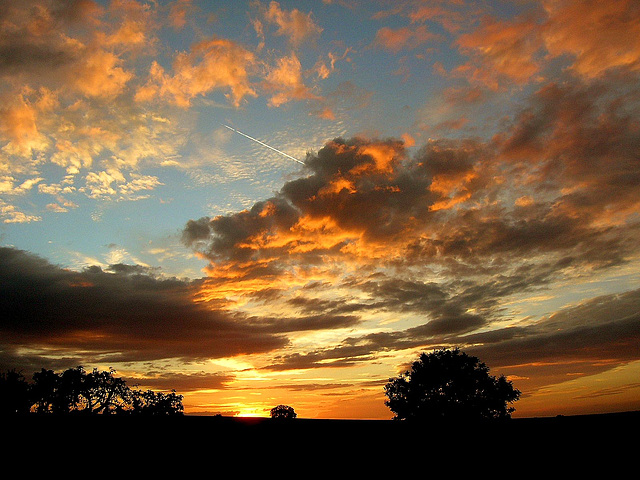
<point x="263" y="144"/>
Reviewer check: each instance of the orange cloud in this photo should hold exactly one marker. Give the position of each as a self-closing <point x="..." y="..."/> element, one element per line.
<point x="213" y="64"/>
<point x="384" y="156"/>
<point x="132" y="25"/>
<point x="593" y="36"/>
<point x="454" y="189"/>
<point x="294" y="24"/>
<point x="403" y="38"/>
<point x="286" y="82"/>
<point x="101" y="75"/>
<point x="502" y="49"/>
<point x="178" y="13"/>
<point x="408" y="140"/>
<point x="598" y="35"/>
<point x="18" y="126"/>
<point x="447" y="13"/>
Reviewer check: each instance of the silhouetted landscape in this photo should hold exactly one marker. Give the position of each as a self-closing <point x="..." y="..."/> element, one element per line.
<point x="327" y="447"/>
<point x="611" y="427"/>
<point x="446" y="402"/>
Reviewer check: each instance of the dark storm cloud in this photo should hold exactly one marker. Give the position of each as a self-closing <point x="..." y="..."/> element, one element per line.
<point x="226" y="235"/>
<point x="125" y="313"/>
<point x="120" y="315"/>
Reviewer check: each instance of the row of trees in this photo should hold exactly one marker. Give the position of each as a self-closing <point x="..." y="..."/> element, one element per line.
<point x="445" y="385"/>
<point x="75" y="391"/>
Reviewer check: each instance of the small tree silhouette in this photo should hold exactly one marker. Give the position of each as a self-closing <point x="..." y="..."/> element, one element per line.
<point x="449" y="385"/>
<point x="283" y="412"/>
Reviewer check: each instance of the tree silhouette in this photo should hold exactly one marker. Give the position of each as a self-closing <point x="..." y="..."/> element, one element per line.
<point x="283" y="412"/>
<point x="156" y="403"/>
<point x="14" y="394"/>
<point x="44" y="392"/>
<point x="75" y="391"/>
<point x="449" y="385"/>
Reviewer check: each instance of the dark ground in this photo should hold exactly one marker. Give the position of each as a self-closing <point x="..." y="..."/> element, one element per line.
<point x="601" y="444"/>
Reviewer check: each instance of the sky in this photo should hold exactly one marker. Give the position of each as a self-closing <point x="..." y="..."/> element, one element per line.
<point x="285" y="202"/>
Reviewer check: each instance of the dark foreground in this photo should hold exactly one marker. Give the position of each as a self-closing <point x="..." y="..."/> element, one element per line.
<point x="570" y="442"/>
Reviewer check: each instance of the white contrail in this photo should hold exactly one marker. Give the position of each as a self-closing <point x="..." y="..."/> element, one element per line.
<point x="263" y="144"/>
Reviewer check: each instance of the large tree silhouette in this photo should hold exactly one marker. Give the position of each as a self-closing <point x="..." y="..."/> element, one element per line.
<point x="450" y="385"/>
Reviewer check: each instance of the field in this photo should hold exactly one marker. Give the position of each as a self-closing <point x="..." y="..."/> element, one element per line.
<point x="197" y="447"/>
<point x="605" y="432"/>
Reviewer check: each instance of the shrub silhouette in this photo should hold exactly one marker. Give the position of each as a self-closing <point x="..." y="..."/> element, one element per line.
<point x="283" y="412"/>
<point x="449" y="385"/>
<point x="75" y="391"/>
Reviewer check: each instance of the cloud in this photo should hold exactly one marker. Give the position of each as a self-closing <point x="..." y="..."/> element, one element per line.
<point x="183" y="383"/>
<point x="116" y="315"/>
<point x="31" y="42"/>
<point x="578" y="340"/>
<point x="68" y="71"/>
<point x="451" y="15"/>
<point x="297" y="26"/>
<point x="11" y="214"/>
<point x="85" y="89"/>
<point x="47" y="40"/>
<point x="598" y="36"/>
<point x="404" y="38"/>
<point x="19" y="128"/>
<point x="503" y="49"/>
<point x="584" y="339"/>
<point x="590" y="37"/>
<point x="441" y="241"/>
<point x="102" y="75"/>
<point x="178" y="12"/>
<point x="455" y="199"/>
<point x="286" y="82"/>
<point x="581" y="137"/>
<point x="379" y="247"/>
<point x="114" y="184"/>
<point x="212" y="64"/>
<point x="126" y="313"/>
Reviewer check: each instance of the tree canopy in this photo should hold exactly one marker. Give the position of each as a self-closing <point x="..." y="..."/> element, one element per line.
<point x="448" y="384"/>
<point x="283" y="412"/>
<point x="75" y="391"/>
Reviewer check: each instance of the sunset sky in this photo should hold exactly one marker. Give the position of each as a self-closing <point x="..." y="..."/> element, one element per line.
<point x="403" y="176"/>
